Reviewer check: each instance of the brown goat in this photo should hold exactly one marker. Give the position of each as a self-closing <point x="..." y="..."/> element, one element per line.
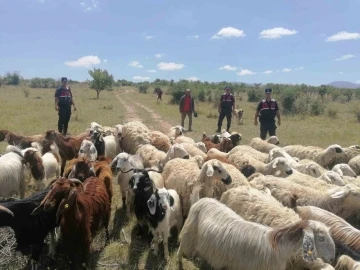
<point x="20" y="141"/>
<point x="68" y="146"/>
<point x="33" y="158"/>
<point x="81" y="213"/>
<point x="83" y="169"/>
<point x="225" y="144"/>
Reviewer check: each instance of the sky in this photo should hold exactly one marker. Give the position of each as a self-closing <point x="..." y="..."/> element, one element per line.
<point x="297" y="41"/>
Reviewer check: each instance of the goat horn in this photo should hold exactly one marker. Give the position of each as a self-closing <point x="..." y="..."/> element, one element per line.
<point x="3" y="208"/>
<point x="76" y="181"/>
<point x="127" y="171"/>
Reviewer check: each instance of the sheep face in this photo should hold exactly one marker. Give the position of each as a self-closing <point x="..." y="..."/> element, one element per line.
<point x="281" y="164"/>
<point x="201" y="146"/>
<point x="333" y="178"/>
<point x="216" y="169"/>
<point x="162" y="198"/>
<point x="140" y="180"/>
<point x="178" y="151"/>
<point x="235" y="139"/>
<point x="273" y="140"/>
<point x="350" y="193"/>
<point x="50" y="135"/>
<point x="324" y="244"/>
<point x="81" y="170"/>
<point x="122" y="161"/>
<point x="335" y="148"/>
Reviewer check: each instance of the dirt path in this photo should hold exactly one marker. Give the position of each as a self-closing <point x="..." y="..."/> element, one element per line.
<point x="132" y="115"/>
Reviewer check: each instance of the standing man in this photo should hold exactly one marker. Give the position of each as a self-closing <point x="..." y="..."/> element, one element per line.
<point x="226" y="106"/>
<point x="266" y="111"/>
<point x="186" y="108"/>
<point x="63" y="102"/>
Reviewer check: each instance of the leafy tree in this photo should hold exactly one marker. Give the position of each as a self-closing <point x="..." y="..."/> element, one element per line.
<point x="12" y="78"/>
<point x="101" y="80"/>
<point x="322" y="91"/>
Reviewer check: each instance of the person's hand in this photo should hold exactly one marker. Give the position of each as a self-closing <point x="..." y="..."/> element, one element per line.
<point x="279" y="122"/>
<point x="255" y="122"/>
<point x="56" y="108"/>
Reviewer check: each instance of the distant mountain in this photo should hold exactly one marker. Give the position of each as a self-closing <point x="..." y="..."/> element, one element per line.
<point x="344" y="84"/>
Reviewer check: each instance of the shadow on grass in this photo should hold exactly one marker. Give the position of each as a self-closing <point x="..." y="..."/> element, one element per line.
<point x="119" y="222"/>
<point x="140" y="243"/>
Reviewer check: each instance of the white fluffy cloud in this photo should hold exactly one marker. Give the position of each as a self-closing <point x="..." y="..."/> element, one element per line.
<point x="86" y="61"/>
<point x="135" y="64"/>
<point x="228" y="32"/>
<point x="151" y="70"/>
<point x="276" y="32"/>
<point x="159" y="55"/>
<point x="246" y="72"/>
<point x="170" y="66"/>
<point x="286" y="70"/>
<point x="343" y="35"/>
<point x="194" y="36"/>
<point x="192" y="78"/>
<point x="228" y="67"/>
<point x="345" y="57"/>
<point x="268" y="72"/>
<point x="141" y="78"/>
<point x="149" y="37"/>
<point x="89" y="5"/>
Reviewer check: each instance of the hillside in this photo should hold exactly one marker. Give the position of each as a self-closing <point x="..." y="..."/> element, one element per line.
<point x="344" y="84"/>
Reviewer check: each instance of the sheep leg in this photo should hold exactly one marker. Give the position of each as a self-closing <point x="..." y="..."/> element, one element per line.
<point x="128" y="204"/>
<point x="52" y="243"/>
<point x="179" y="257"/>
<point x="166" y="246"/>
<point x="156" y="243"/>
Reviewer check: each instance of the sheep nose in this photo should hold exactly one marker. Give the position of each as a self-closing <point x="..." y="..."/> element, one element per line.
<point x="338" y="150"/>
<point x="227" y="181"/>
<point x="165" y="207"/>
<point x="81" y="151"/>
<point x="288" y="172"/>
<point x="277" y="143"/>
<point x="186" y="157"/>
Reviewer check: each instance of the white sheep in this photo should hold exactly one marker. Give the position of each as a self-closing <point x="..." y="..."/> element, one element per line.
<point x="344" y="170"/>
<point x="318" y="154"/>
<point x="161" y="141"/>
<point x="124" y="162"/>
<point x="12" y="176"/>
<point x="248" y="150"/>
<point x="345" y="262"/>
<point x="260" y="207"/>
<point x="193" y="150"/>
<point x="109" y="146"/>
<point x="279" y="165"/>
<point x="264" y="146"/>
<point x="184" y="139"/>
<point x="106" y="129"/>
<point x="354" y="164"/>
<point x="222" y="238"/>
<point x="201" y="146"/>
<point x="150" y="154"/>
<point x="88" y="150"/>
<point x="134" y="134"/>
<point x="165" y="213"/>
<point x="175" y="132"/>
<point x="342" y="201"/>
<point x="183" y="175"/>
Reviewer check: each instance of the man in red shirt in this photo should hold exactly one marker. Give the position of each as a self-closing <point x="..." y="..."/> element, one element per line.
<point x="186" y="107"/>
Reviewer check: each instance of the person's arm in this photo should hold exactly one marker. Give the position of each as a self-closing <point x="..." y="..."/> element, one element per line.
<point x="233" y="107"/>
<point x="56" y="100"/>
<point x="72" y="99"/>
<point x="219" y="109"/>
<point x="180" y="104"/>
<point x="193" y="104"/>
<point x="257" y="114"/>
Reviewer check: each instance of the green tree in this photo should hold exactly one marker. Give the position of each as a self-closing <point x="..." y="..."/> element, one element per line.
<point x="322" y="91"/>
<point x="101" y="80"/>
<point x="12" y="78"/>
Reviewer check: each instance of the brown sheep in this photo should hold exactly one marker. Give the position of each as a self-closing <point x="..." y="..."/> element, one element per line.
<point x="21" y="141"/>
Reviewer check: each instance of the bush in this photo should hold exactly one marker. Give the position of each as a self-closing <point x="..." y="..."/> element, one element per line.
<point x="332" y="113"/>
<point x="175" y="96"/>
<point x="201" y="95"/>
<point x="302" y="105"/>
<point x="288" y="99"/>
<point x="12" y="78"/>
<point x="143" y="88"/>
<point x="317" y="107"/>
<point x="356" y="112"/>
<point x="255" y="95"/>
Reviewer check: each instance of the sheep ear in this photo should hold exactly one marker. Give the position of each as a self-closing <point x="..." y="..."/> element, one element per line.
<point x="151" y="203"/>
<point x="338" y="194"/>
<point x="308" y="247"/>
<point x="172" y="202"/>
<point x="275" y="163"/>
<point x="210" y="170"/>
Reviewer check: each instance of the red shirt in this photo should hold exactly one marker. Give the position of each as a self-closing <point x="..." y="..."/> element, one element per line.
<point x="187" y="104"/>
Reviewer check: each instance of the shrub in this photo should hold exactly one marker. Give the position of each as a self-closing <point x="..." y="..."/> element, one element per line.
<point x="302" y="105"/>
<point x="12" y="78"/>
<point x="201" y="95"/>
<point x="143" y="88"/>
<point x="332" y="113"/>
<point x="254" y="95"/>
<point x="317" y="107"/>
<point x="288" y="99"/>
<point x="356" y="111"/>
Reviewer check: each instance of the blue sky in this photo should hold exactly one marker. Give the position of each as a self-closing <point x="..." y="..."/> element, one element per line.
<point x="297" y="41"/>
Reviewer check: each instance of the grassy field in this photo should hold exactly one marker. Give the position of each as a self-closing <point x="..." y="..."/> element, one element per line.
<point x="35" y="114"/>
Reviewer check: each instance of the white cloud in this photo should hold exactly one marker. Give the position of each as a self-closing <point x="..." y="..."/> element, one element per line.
<point x="149" y="37"/>
<point x="286" y="70"/>
<point x="268" y="72"/>
<point x="194" y="36"/>
<point x="345" y="57"/>
<point x="299" y="68"/>
<point x="170" y="66"/>
<point x="341" y="72"/>
<point x="86" y="61"/>
<point x="228" y="32"/>
<point x="89" y="5"/>
<point x="192" y="78"/>
<point x="151" y="70"/>
<point x="159" y="55"/>
<point x="228" y="67"/>
<point x="276" y="32"/>
<point x="343" y="35"/>
<point x="135" y="64"/>
<point x="246" y="72"/>
<point x="141" y="78"/>
<point x="105" y="60"/>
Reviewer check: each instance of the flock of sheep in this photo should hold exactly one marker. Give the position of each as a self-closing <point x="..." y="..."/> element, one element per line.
<point x="258" y="206"/>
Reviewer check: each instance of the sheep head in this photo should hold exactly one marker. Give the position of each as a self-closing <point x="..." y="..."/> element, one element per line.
<point x="61" y="196"/>
<point x="281" y="164"/>
<point x="141" y="180"/>
<point x="161" y="198"/>
<point x="273" y="140"/>
<point x="247" y="170"/>
<point x="121" y="161"/>
<point x="51" y="135"/>
<point x="177" y="151"/>
<point x="82" y="169"/>
<point x="334" y="148"/>
<point x="215" y="169"/>
<point x="33" y="157"/>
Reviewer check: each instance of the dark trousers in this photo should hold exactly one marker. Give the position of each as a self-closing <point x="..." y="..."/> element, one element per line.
<point x="267" y="127"/>
<point x="64" y="118"/>
<point x="222" y="115"/>
<point x="183" y="115"/>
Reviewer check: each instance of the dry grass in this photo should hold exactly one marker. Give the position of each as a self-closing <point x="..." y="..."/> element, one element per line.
<point x="35" y="114"/>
